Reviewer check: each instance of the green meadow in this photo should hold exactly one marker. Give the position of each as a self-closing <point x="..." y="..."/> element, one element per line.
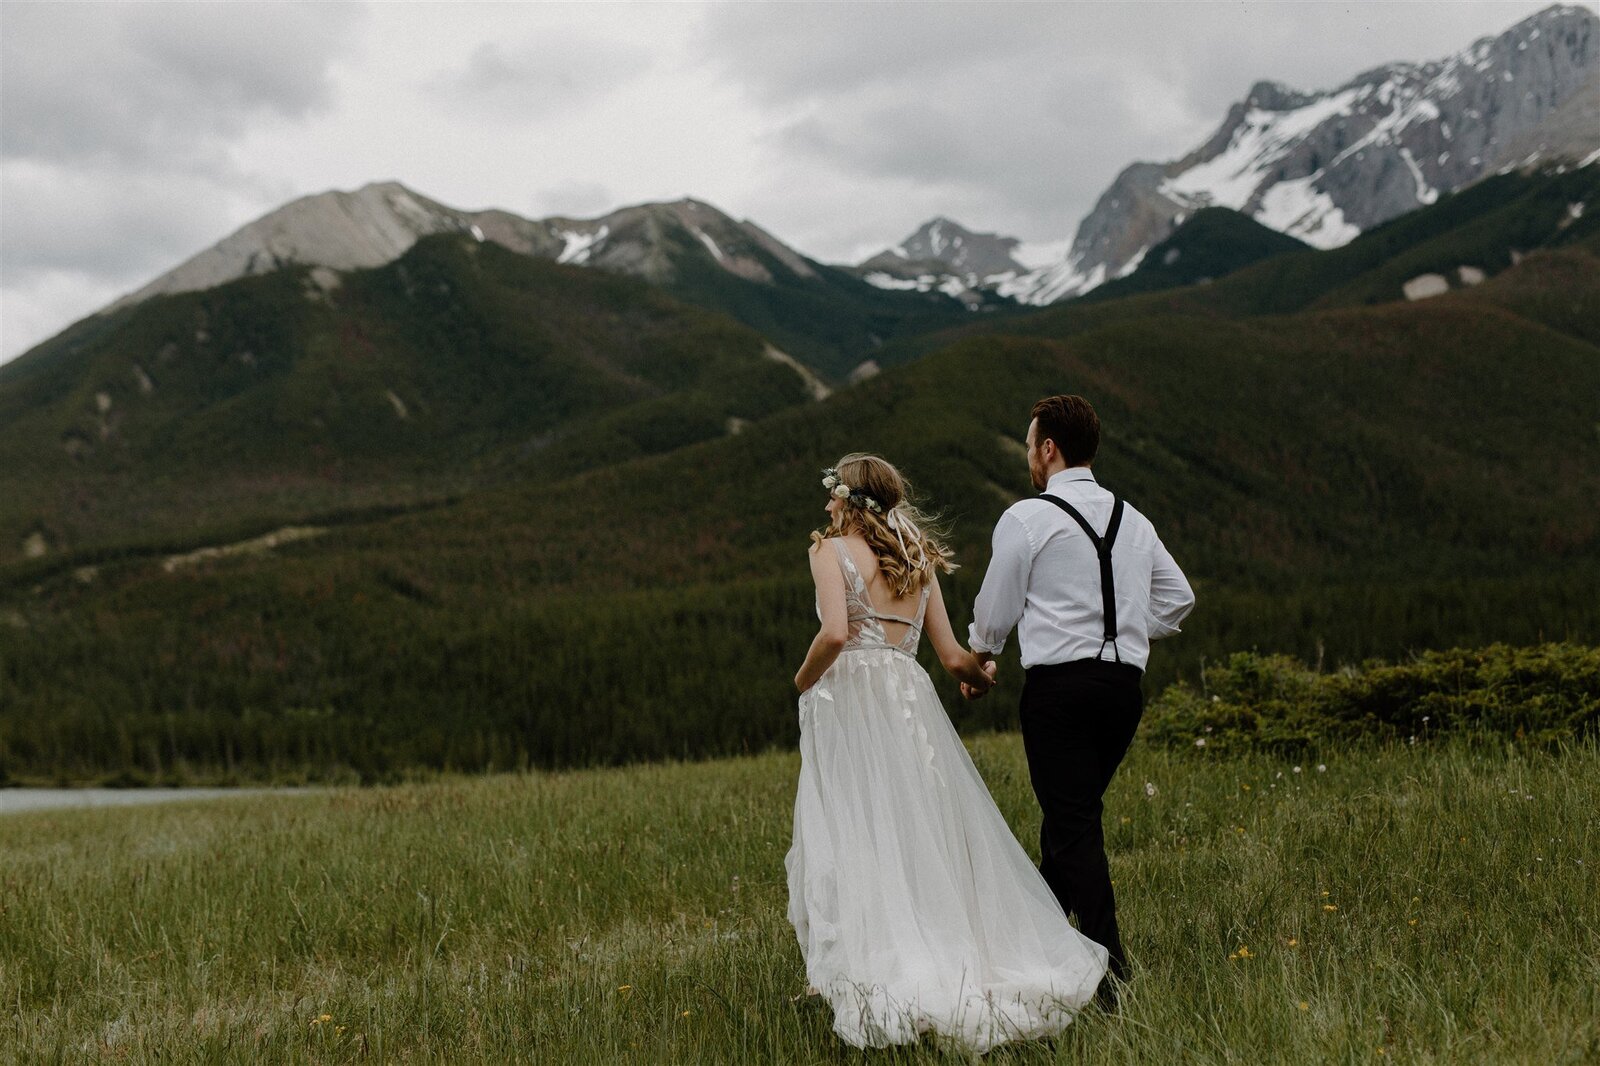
<point x="1427" y="902"/>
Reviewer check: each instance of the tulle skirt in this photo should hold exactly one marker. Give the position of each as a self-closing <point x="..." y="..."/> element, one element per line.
<point x="915" y="907"/>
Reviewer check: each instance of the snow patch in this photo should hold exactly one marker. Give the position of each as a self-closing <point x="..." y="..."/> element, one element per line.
<point x="1301" y="210"/>
<point x="1233" y="176"/>
<point x="1040" y="287"/>
<point x="578" y="245"/>
<point x="881" y="280"/>
<point x="1036" y="254"/>
<point x="1424" y="286"/>
<point x="709" y="243"/>
<point x="1426" y="194"/>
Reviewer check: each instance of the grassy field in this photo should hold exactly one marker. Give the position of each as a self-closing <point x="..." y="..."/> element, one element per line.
<point x="1413" y="904"/>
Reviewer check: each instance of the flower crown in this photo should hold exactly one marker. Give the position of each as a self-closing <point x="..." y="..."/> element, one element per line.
<point x="834" y="484"/>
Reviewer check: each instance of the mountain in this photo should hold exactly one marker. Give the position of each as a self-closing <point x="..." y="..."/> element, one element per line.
<point x="303" y="390"/>
<point x="1326" y="166"/>
<point x="1457" y="242"/>
<point x="825" y="317"/>
<point x="1211" y="244"/>
<point x="945" y="256"/>
<point x="1340" y="470"/>
<point x="377" y="223"/>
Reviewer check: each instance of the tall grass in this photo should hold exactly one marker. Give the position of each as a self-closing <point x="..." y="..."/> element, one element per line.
<point x="1412" y="904"/>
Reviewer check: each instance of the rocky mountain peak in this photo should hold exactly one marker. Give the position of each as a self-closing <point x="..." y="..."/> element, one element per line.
<point x="1326" y="166"/>
<point x="1275" y="96"/>
<point x="944" y="246"/>
<point x="378" y="222"/>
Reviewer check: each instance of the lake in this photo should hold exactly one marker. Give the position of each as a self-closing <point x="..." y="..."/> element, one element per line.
<point x="17" y="800"/>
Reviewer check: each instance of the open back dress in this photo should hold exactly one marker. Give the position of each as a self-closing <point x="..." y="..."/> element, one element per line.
<point x="915" y="907"/>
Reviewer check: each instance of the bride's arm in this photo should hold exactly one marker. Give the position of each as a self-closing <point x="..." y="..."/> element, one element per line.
<point x="830" y="638"/>
<point x="958" y="662"/>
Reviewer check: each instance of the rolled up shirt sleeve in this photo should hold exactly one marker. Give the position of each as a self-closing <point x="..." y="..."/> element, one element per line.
<point x="1005" y="587"/>
<point x="1171" y="598"/>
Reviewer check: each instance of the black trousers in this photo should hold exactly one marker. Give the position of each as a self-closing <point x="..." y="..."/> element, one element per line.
<point x="1078" y="719"/>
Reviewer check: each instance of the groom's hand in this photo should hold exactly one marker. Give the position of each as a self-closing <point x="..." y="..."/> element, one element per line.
<point x="974" y="692"/>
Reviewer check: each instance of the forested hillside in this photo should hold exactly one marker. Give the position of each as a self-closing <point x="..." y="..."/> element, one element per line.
<point x="1341" y="480"/>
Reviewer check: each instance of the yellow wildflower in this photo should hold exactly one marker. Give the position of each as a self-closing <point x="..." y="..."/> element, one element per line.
<point x="1329" y="907"/>
<point x="1304" y="1005"/>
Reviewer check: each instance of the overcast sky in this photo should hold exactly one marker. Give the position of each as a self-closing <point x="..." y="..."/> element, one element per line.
<point x="133" y="135"/>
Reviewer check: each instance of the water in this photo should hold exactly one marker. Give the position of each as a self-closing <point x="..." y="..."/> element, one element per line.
<point x="16" y="800"/>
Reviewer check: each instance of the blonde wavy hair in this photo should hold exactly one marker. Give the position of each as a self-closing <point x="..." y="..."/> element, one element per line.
<point x="908" y="543"/>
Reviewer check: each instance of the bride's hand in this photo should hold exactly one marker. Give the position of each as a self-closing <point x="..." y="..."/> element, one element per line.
<point x="974" y="692"/>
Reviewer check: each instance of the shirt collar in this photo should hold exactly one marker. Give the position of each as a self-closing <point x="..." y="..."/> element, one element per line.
<point x="1061" y="478"/>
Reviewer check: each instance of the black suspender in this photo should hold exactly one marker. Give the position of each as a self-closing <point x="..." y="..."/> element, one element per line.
<point x="1102" y="548"/>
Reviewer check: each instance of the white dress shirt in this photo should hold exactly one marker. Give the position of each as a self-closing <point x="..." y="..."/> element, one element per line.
<point x="1045" y="574"/>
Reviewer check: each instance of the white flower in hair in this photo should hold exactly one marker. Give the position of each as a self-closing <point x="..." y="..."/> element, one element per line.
<point x="841" y="490"/>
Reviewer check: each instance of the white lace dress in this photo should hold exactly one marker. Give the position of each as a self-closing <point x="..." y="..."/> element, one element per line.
<point x="915" y="907"/>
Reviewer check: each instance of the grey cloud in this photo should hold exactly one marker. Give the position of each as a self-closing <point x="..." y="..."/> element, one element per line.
<point x="575" y="199"/>
<point x="1038" y="107"/>
<point x="159" y="84"/>
<point x="540" y="76"/>
<point x="109" y="224"/>
<point x="783" y="52"/>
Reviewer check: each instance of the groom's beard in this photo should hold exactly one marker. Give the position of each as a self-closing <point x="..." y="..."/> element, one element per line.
<point x="1036" y="475"/>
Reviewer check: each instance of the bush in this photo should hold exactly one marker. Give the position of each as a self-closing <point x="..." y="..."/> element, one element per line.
<point x="1541" y="694"/>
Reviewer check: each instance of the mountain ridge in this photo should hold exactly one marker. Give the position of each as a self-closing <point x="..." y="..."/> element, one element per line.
<point x="1325" y="166"/>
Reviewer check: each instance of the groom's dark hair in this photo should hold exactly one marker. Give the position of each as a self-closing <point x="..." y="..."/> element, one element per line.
<point x="1070" y="421"/>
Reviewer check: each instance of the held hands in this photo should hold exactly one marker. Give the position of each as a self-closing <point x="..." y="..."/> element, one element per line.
<point x="977" y="692"/>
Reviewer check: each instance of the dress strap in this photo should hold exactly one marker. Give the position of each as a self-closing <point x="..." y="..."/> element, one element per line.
<point x="852" y="576"/>
<point x="858" y="590"/>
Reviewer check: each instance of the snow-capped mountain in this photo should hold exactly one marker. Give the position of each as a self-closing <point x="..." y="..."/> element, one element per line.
<point x="377" y="223"/>
<point x="946" y="256"/>
<point x="1326" y="166"/>
<point x="950" y="246"/>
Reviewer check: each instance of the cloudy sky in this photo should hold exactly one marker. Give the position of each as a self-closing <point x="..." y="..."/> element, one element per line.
<point x="133" y="135"/>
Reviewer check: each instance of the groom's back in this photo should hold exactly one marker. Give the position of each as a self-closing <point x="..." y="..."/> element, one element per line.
<point x="1063" y="614"/>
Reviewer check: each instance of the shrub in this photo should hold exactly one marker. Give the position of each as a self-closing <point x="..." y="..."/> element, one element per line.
<point x="1541" y="694"/>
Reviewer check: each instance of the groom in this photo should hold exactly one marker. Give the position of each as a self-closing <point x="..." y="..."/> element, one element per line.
<point x="1088" y="585"/>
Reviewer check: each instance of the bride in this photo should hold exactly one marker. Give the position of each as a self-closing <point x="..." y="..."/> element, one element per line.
<point x="916" y="909"/>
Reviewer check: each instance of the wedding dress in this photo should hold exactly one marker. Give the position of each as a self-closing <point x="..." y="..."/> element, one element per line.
<point x="915" y="907"/>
